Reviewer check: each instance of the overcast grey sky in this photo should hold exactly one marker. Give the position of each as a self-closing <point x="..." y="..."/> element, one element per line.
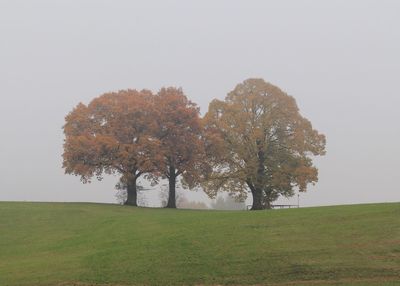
<point x="339" y="59"/>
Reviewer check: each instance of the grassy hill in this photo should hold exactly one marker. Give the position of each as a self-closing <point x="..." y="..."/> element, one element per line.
<point x="97" y="244"/>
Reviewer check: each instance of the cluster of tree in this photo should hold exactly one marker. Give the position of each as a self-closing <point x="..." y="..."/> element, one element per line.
<point x="228" y="203"/>
<point x="255" y="140"/>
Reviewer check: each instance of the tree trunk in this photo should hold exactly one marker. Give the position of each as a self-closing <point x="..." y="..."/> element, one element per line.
<point x="131" y="193"/>
<point x="172" y="187"/>
<point x="267" y="204"/>
<point x="256" y="189"/>
<point x="257" y="199"/>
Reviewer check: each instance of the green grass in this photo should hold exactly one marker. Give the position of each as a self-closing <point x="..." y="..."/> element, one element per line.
<point x="98" y="244"/>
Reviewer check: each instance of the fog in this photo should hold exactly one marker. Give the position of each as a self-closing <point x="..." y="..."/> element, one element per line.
<point x="339" y="59"/>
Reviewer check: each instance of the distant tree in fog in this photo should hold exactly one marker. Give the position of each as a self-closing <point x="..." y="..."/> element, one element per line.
<point x="227" y="203"/>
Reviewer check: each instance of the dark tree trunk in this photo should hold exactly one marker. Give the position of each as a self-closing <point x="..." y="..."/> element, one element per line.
<point x="256" y="188"/>
<point x="131" y="193"/>
<point x="257" y="199"/>
<point x="172" y="186"/>
<point x="257" y="196"/>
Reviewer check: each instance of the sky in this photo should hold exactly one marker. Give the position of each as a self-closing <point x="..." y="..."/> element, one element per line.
<point x="339" y="59"/>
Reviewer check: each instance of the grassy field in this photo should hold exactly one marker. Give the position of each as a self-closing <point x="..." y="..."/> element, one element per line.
<point x="98" y="244"/>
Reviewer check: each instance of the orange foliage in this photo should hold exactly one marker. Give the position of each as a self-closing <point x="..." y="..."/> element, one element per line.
<point x="254" y="140"/>
<point x="179" y="132"/>
<point x="260" y="142"/>
<point x="111" y="135"/>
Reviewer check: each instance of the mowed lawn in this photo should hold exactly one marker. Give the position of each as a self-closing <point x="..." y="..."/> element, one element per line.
<point x="100" y="244"/>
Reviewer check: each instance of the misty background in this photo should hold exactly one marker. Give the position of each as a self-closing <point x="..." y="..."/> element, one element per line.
<point x="339" y="59"/>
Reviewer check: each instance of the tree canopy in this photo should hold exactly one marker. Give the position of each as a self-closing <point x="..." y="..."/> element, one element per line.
<point x="260" y="143"/>
<point x="111" y="135"/>
<point x="179" y="132"/>
<point x="255" y="141"/>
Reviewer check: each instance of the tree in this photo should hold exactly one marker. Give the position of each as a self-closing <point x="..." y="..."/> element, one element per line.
<point x="185" y="203"/>
<point x="227" y="203"/>
<point x="179" y="132"/>
<point x="111" y="135"/>
<point x="181" y="200"/>
<point x="122" y="193"/>
<point x="260" y="144"/>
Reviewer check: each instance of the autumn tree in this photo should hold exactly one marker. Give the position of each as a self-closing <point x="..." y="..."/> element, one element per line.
<point x="111" y="135"/>
<point x="179" y="132"/>
<point x="260" y="144"/>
